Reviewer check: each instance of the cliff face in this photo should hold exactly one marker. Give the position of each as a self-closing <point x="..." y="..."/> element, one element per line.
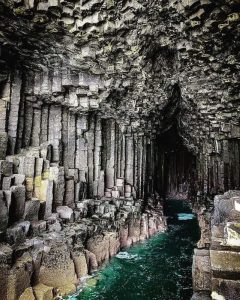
<point x="103" y="103"/>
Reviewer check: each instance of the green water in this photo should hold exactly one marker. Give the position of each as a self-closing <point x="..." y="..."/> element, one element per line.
<point x="158" y="269"/>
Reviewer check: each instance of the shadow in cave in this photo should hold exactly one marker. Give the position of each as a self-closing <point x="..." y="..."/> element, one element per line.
<point x="175" y="164"/>
<point x="177" y="167"/>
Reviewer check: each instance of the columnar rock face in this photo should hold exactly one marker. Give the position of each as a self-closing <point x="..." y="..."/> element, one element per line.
<point x="216" y="261"/>
<point x="104" y="103"/>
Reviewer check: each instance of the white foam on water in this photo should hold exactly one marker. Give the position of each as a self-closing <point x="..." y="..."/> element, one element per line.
<point x="126" y="255"/>
<point x="84" y="278"/>
<point x="183" y="217"/>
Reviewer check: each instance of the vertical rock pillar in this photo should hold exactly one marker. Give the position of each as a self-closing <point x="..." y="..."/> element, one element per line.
<point x="110" y="154"/>
<point x="129" y="159"/>
<point x="13" y="114"/>
<point x="4" y="102"/>
<point x="98" y="183"/>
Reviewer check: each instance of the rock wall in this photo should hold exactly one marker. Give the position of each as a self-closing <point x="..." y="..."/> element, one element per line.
<point x="70" y="185"/>
<point x="216" y="261"/>
<point x="46" y="246"/>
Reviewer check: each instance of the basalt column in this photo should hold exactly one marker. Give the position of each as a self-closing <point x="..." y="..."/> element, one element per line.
<point x="123" y="160"/>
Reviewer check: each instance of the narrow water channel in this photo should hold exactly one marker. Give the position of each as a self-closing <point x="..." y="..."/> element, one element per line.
<point x="158" y="269"/>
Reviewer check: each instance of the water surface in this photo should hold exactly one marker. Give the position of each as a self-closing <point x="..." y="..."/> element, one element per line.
<point x="158" y="269"/>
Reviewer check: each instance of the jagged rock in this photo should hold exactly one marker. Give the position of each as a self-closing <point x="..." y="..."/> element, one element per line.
<point x="53" y="223"/>
<point x="16" y="234"/>
<point x="5" y="254"/>
<point x="38" y="227"/>
<point x="99" y="246"/>
<point x="6" y="168"/>
<point x="65" y="212"/>
<point x="233" y="234"/>
<point x="222" y="208"/>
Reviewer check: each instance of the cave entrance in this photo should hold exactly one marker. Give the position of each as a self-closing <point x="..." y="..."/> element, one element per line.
<point x="176" y="166"/>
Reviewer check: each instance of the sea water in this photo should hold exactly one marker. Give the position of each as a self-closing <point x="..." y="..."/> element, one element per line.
<point x="157" y="269"/>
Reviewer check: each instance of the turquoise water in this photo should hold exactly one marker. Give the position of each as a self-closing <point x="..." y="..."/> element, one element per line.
<point x="158" y="269"/>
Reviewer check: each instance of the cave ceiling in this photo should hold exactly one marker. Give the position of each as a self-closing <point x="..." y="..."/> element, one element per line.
<point x="132" y="59"/>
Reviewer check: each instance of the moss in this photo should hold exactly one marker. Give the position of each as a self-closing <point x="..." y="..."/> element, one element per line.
<point x="20" y="10"/>
<point x="40" y="19"/>
<point x="91" y="282"/>
<point x="234" y="17"/>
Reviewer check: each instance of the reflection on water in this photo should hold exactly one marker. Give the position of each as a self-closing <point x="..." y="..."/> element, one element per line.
<point x="159" y="268"/>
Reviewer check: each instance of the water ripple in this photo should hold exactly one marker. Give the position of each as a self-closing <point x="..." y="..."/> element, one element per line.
<point x="159" y="269"/>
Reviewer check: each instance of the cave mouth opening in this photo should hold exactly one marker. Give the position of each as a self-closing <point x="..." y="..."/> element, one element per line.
<point x="177" y="166"/>
<point x="175" y="173"/>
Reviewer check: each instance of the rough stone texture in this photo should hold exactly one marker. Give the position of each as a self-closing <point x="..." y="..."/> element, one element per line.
<point x="229" y="289"/>
<point x="217" y="270"/>
<point x="43" y="292"/>
<point x="27" y="295"/>
<point x="3" y="212"/>
<point x="57" y="268"/>
<point x="202" y="270"/>
<point x="103" y="103"/>
<point x="51" y="254"/>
